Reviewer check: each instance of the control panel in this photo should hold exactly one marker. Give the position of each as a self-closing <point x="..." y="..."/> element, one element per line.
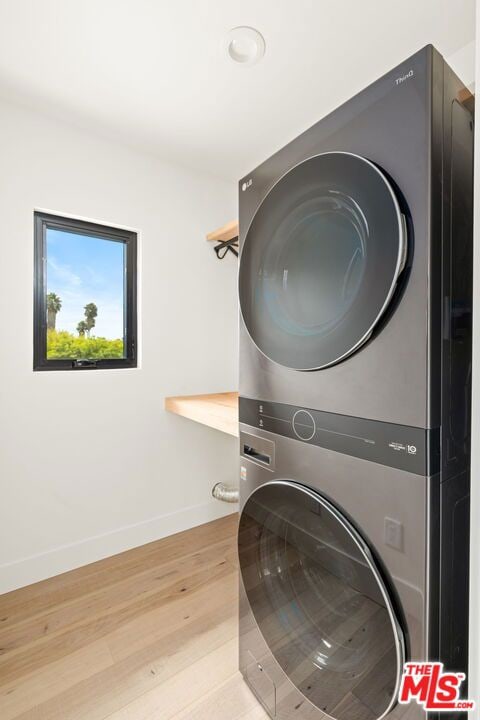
<point x="413" y="449"/>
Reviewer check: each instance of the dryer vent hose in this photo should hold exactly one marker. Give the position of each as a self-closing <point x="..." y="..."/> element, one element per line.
<point x="226" y="493"/>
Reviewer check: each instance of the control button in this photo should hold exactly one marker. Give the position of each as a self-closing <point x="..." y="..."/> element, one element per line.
<point x="394" y="533"/>
<point x="303" y="425"/>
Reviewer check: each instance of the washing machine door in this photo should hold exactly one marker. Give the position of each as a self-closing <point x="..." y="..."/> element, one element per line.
<point x="320" y="602"/>
<point x="321" y="260"/>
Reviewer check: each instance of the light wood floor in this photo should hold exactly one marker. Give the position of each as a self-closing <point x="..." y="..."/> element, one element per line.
<point x="150" y="634"/>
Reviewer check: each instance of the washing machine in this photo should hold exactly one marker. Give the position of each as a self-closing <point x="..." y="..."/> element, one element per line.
<point x="355" y="362"/>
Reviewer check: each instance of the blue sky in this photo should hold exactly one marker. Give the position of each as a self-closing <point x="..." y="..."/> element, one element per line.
<point x="83" y="269"/>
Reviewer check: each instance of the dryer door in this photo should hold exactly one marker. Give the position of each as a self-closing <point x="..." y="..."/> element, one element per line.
<point x="321" y="260"/>
<point x="320" y="602"/>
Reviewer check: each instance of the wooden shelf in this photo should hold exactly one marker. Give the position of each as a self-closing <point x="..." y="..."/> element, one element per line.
<point x="226" y="232"/>
<point x="219" y="411"/>
<point x="467" y="99"/>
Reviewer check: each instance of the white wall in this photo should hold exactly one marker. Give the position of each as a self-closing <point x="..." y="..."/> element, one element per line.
<point x="474" y="670"/>
<point x="90" y="463"/>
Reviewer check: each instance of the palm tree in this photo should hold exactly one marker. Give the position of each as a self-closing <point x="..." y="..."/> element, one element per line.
<point x="82" y="328"/>
<point x="91" y="313"/>
<point x="54" y="305"/>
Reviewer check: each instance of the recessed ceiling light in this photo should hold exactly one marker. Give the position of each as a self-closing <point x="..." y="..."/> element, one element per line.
<point x="245" y="45"/>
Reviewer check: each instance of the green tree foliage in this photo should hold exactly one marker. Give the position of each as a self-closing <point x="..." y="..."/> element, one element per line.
<point x="54" y="305"/>
<point x="82" y="328"/>
<point x="65" y="345"/>
<point x="91" y="312"/>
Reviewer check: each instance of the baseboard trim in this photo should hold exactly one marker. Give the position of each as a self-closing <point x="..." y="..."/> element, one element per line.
<point x="61" y="559"/>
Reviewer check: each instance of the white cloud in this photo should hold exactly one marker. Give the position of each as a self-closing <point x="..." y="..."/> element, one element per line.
<point x="109" y="322"/>
<point x="64" y="273"/>
<point x="75" y="292"/>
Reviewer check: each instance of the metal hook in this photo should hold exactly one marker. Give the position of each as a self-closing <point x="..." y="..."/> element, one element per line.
<point x="224" y="246"/>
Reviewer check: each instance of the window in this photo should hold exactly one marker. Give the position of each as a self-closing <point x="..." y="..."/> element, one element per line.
<point x="85" y="313"/>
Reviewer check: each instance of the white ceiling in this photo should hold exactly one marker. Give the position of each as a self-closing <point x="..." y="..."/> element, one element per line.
<point x="153" y="73"/>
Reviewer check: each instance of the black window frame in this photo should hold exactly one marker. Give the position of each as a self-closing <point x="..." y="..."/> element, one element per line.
<point x="44" y="221"/>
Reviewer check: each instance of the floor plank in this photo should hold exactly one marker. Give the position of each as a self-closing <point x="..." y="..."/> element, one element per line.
<point x="42" y="596"/>
<point x="231" y="699"/>
<point x="150" y="634"/>
<point x="17" y="697"/>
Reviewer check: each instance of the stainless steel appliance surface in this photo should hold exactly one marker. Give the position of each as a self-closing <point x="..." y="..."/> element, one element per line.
<point x="334" y="579"/>
<point x="341" y="579"/>
<point x="355" y="363"/>
<point x="342" y="236"/>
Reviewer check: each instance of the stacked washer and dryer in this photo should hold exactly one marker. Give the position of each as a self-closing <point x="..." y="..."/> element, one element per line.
<point x="355" y="361"/>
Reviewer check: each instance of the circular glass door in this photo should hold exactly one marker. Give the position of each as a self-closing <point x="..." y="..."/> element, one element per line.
<point x="321" y="260"/>
<point x="320" y="602"/>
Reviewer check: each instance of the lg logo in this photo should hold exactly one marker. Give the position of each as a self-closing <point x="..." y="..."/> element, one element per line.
<point x="246" y="184"/>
